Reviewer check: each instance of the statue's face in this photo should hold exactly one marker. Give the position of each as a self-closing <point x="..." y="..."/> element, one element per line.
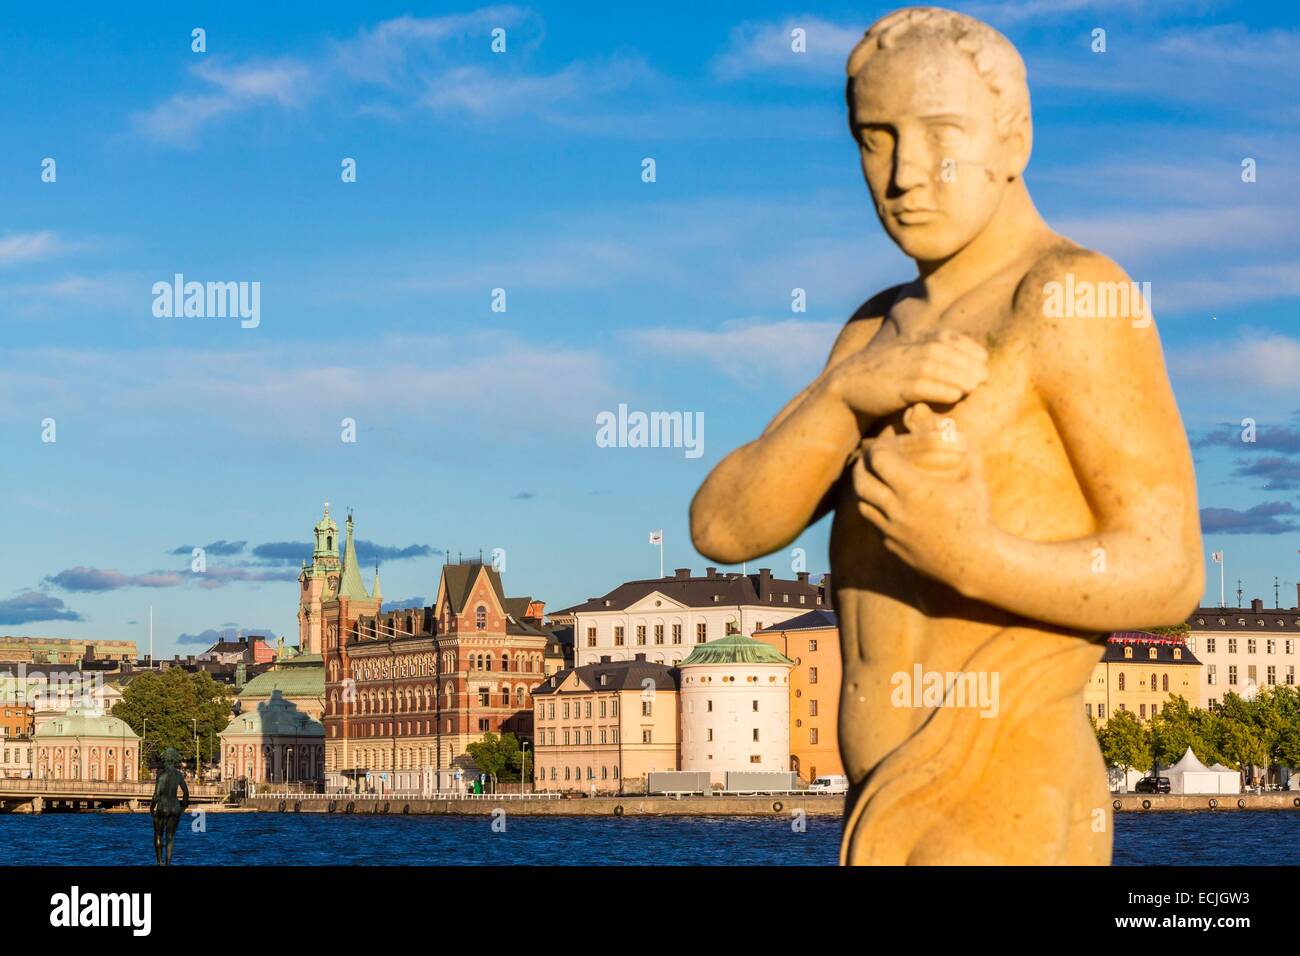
<point x="931" y="152"/>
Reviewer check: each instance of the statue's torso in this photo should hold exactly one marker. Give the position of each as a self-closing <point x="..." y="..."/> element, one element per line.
<point x="892" y="617"/>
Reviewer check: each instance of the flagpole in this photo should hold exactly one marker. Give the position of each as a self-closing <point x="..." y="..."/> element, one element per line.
<point x="661" y="554"/>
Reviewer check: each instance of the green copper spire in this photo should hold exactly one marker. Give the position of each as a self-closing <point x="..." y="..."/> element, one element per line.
<point x="377" y="594"/>
<point x="351" y="586"/>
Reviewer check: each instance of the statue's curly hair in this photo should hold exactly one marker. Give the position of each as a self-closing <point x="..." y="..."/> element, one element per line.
<point x="994" y="57"/>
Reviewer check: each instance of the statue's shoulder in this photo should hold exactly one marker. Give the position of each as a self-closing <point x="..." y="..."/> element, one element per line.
<point x="1062" y="261"/>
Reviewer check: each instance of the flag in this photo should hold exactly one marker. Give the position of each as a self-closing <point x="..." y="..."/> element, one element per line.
<point x="657" y="537"/>
<point x="1217" y="556"/>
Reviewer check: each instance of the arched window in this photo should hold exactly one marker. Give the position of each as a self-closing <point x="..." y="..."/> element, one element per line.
<point x="505" y="661"/>
<point x="1121" y="680"/>
<point x="1164" y="681"/>
<point x="519" y="696"/>
<point x="1153" y="681"/>
<point x="480" y="617"/>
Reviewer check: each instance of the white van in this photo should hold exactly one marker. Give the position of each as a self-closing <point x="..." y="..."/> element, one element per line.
<point x="836" y="783"/>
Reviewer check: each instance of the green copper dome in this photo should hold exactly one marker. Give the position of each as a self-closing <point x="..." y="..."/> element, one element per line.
<point x="736" y="649"/>
<point x="86" y="722"/>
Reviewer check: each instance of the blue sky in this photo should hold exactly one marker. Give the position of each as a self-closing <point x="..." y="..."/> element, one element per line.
<point x="522" y="171"/>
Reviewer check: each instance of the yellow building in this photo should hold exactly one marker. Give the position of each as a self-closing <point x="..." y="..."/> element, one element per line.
<point x="812" y="641"/>
<point x="605" y="726"/>
<point x="1139" y="672"/>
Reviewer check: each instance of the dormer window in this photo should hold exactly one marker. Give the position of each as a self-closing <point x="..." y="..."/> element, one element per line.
<point x="1151" y="653"/>
<point x="1128" y="650"/>
<point x="1178" y="653"/>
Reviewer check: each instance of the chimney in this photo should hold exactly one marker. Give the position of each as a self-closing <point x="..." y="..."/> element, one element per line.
<point x="683" y="573"/>
<point x="710" y="572"/>
<point x="1257" y="604"/>
<point x="764" y="582"/>
<point x="828" y="593"/>
<point x="803" y="577"/>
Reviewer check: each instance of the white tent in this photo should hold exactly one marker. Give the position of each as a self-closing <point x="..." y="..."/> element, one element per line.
<point x="1189" y="775"/>
<point x="1229" y="779"/>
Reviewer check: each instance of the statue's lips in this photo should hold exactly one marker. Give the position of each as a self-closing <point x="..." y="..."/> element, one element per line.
<point x="916" y="217"/>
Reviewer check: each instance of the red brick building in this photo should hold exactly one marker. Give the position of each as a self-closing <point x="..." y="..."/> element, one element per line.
<point x="407" y="691"/>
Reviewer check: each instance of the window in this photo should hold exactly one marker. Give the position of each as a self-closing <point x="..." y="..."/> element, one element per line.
<point x="709" y="708"/>
<point x="1121" y="680"/>
<point x="755" y="703"/>
<point x="1232" y="675"/>
<point x="755" y="758"/>
<point x="1211" y="677"/>
<point x="591" y="637"/>
<point x="1153" y="681"/>
<point x="618" y="636"/>
<point x="1270" y="646"/>
<point x="677" y="633"/>
<point x="812" y="646"/>
<point x="1250" y="645"/>
<point x="812" y="675"/>
<point x="645" y="736"/>
<point x="755" y="735"/>
<point x="812" y="708"/>
<point x="566" y="710"/>
<point x="640" y="635"/>
<point x="812" y="735"/>
<point x="1164" y="682"/>
<point x="646" y="708"/>
<point x="587" y="708"/>
<point x="710" y="734"/>
<point x="1209" y="645"/>
<point x="701" y="632"/>
<point x="1272" y="675"/>
<point x="613" y="707"/>
<point x="602" y="710"/>
<point x="659" y="633"/>
<point x="480" y="618"/>
<point x="1232" y="645"/>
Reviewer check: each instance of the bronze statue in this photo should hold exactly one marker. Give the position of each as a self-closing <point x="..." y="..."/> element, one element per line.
<point x="165" y="808"/>
<point x="1008" y="472"/>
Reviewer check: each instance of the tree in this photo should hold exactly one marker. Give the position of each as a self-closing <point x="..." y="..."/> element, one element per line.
<point x="171" y="700"/>
<point x="1125" y="742"/>
<point x="498" y="757"/>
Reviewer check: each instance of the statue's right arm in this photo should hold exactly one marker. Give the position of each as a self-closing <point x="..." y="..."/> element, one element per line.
<point x="764" y="494"/>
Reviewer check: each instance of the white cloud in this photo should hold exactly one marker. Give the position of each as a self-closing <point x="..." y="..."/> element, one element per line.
<point x="766" y="47"/>
<point x="29" y="247"/>
<point x="178" y="120"/>
<point x="1258" y="366"/>
<point x="746" y="349"/>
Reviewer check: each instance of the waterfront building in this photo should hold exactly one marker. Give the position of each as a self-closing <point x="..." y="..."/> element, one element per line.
<point x="17" y="718"/>
<point x="665" y="618"/>
<point x="332" y="596"/>
<point x="812" y="642"/>
<point x="605" y="726"/>
<point x="407" y="691"/>
<point x="86" y="744"/>
<point x="735" y="707"/>
<point x="299" y="679"/>
<point x="62" y="650"/>
<point x="1244" y="650"/>
<point x="16" y="758"/>
<point x="274" y="742"/>
<point x="1139" y="672"/>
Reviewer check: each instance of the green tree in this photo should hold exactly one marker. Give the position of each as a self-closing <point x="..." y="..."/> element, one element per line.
<point x="498" y="757"/>
<point x="171" y="700"/>
<point x="1125" y="742"/>
<point x="1178" y="726"/>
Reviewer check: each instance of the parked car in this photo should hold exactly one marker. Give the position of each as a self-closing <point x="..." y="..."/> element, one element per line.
<point x="1152" y="785"/>
<point x="835" y="783"/>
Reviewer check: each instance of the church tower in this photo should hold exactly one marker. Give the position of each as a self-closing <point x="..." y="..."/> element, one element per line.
<point x="319" y="580"/>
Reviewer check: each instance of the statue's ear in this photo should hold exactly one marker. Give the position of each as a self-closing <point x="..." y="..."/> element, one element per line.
<point x="1019" y="143"/>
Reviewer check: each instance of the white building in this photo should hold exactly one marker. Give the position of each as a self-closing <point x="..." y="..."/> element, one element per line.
<point x="734" y="698"/>
<point x="1244" y="650"/>
<point x="666" y="618"/>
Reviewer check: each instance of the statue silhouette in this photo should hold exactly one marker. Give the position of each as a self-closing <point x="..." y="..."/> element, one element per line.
<point x="164" y="806"/>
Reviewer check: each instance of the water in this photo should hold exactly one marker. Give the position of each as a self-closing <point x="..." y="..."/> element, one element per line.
<point x="82" y="839"/>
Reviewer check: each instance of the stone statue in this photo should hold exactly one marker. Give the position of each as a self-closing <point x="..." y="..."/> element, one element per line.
<point x="165" y="808"/>
<point x="1010" y="478"/>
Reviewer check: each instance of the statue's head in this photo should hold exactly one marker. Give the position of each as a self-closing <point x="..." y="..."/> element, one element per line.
<point x="170" y="757"/>
<point x="939" y="105"/>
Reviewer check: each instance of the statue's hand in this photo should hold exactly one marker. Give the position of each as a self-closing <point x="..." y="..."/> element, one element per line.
<point x="937" y="520"/>
<point x="879" y="381"/>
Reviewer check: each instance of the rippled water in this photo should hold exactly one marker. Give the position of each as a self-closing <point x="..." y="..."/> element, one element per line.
<point x="1255" y="838"/>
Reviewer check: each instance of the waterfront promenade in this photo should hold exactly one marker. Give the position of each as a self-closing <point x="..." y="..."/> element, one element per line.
<point x="552" y="805"/>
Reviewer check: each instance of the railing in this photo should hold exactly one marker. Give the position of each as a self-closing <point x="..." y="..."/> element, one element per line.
<point x="132" y="788"/>
<point x="400" y="795"/>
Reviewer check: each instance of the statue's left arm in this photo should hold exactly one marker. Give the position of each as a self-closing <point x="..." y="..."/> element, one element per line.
<point x="185" y="795"/>
<point x="1104" y="385"/>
